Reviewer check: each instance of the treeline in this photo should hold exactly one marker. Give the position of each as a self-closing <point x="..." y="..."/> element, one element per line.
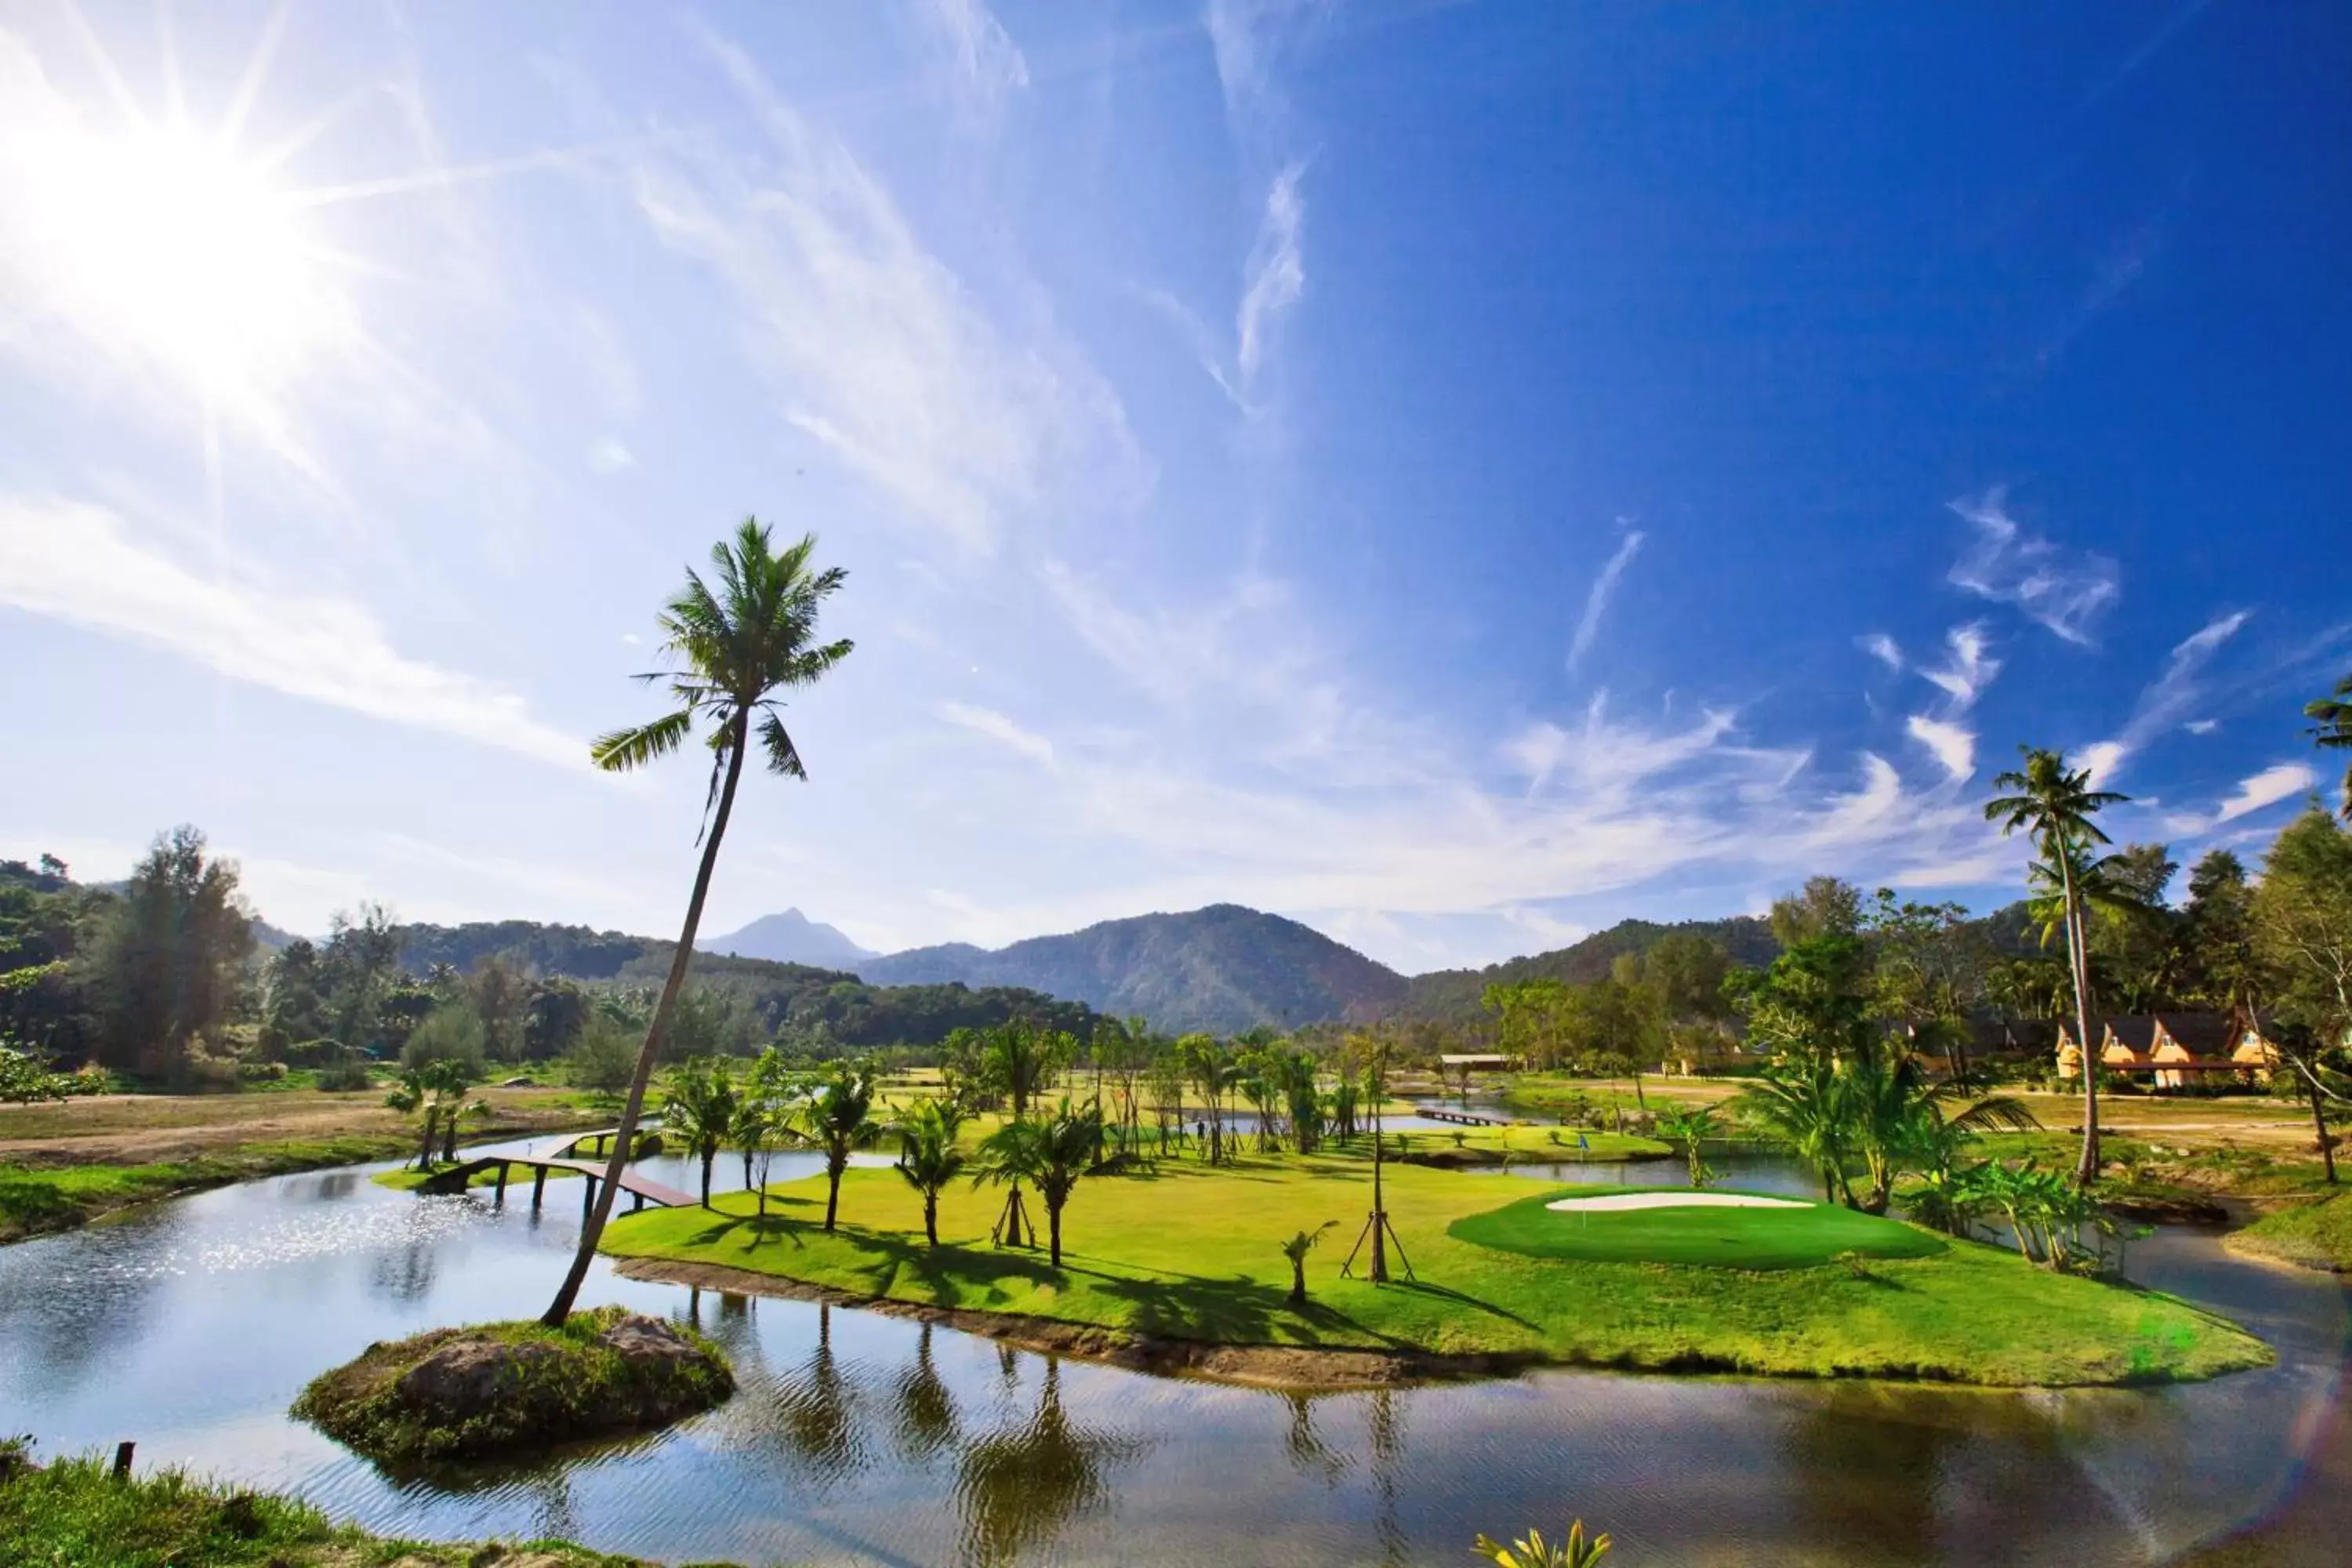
<point x="161" y="981"/>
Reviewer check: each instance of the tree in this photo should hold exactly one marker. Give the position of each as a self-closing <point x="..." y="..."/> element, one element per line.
<point x="1018" y="1059"/>
<point x="1826" y="907"/>
<point x="2054" y="805"/>
<point x="734" y="650"/>
<point x="1295" y="1249"/>
<point x="552" y="1017"/>
<point x="499" y="995"/>
<point x="434" y="1091"/>
<point x="24" y="1080"/>
<point x="2332" y="730"/>
<point x="357" y="964"/>
<point x="698" y="1112"/>
<point x="928" y="1158"/>
<point x="169" y="963"/>
<point x="2301" y="929"/>
<point x="837" y="1115"/>
<point x="1051" y="1153"/>
<point x="451" y="1032"/>
<point x="1690" y="1126"/>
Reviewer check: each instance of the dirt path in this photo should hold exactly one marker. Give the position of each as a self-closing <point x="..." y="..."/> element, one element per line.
<point x="141" y="1128"/>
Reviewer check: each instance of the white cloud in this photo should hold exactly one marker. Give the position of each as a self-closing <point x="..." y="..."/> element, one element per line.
<point x="2064" y="590"/>
<point x="78" y="564"/>
<point x="1954" y="747"/>
<point x="1882" y="649"/>
<point x="983" y="61"/>
<point x="1968" y="671"/>
<point x="987" y="722"/>
<point x="2165" y="701"/>
<point x="2202" y="726"/>
<point x="879" y="351"/>
<point x="1604" y="589"/>
<point x="2268" y="787"/>
<point x="608" y="456"/>
<point x="1274" y="279"/>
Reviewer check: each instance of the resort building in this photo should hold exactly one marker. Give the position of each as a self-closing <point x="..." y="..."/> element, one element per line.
<point x="2174" y="1050"/>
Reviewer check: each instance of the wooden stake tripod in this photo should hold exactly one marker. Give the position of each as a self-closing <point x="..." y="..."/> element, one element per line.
<point x="1014" y="1227"/>
<point x="1378" y="1219"/>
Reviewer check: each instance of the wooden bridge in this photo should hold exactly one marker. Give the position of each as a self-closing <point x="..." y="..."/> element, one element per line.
<point x="460" y="1177"/>
<point x="597" y="1145"/>
<point x="1463" y="1117"/>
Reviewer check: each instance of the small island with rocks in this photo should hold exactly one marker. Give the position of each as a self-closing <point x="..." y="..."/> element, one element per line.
<point x="501" y="1388"/>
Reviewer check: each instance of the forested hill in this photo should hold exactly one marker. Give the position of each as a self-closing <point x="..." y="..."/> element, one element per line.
<point x="817" y="1004"/>
<point x="1452" y="994"/>
<point x="1222" y="969"/>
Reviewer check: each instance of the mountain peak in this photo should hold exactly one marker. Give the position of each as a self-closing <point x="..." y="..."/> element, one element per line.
<point x="790" y="937"/>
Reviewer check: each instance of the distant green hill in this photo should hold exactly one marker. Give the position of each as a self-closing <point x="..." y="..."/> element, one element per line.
<point x="1452" y="994"/>
<point x="1222" y="969"/>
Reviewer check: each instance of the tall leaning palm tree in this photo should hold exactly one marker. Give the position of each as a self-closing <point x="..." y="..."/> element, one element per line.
<point x="2054" y="805"/>
<point x="2331" y="729"/>
<point x="735" y="645"/>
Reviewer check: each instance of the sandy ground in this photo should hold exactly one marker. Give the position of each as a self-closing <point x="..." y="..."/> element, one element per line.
<point x="123" y="1129"/>
<point x="1690" y="1200"/>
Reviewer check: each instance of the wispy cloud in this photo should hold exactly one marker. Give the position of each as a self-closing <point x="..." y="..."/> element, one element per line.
<point x="983" y="63"/>
<point x="2167" y="700"/>
<point x="2268" y="787"/>
<point x="1596" y="599"/>
<point x="996" y="726"/>
<point x="2202" y="726"/>
<point x="881" y="352"/>
<point x="78" y="563"/>
<point x="1953" y="746"/>
<point x="2064" y="590"/>
<point x="1967" y="670"/>
<point x="1274" y="281"/>
<point x="1882" y="649"/>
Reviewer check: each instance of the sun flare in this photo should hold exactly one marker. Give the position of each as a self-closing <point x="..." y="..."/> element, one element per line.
<point x="164" y="243"/>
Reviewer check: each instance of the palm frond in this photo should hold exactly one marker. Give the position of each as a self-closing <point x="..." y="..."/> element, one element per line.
<point x="783" y="757"/>
<point x="625" y="749"/>
<point x="2000" y="1112"/>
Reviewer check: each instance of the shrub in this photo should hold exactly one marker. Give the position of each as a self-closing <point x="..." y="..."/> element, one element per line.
<point x="450" y="1032"/>
<point x="605" y="1056"/>
<point x="260" y="1072"/>
<point x="341" y="1077"/>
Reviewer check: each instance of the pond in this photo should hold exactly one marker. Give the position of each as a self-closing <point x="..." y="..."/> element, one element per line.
<point x="860" y="1438"/>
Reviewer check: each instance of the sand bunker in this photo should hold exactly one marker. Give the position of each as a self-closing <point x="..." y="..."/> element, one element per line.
<point x="1694" y="1199"/>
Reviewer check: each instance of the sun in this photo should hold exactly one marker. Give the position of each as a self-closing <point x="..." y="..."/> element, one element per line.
<point x="165" y="245"/>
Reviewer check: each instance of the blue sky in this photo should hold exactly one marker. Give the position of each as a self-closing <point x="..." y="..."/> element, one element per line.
<point x="1458" y="475"/>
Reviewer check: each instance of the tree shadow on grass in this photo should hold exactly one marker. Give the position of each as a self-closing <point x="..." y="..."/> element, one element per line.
<point x="1445" y="1292"/>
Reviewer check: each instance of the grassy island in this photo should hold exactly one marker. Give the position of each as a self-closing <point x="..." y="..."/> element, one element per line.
<point x="2309" y="1236"/>
<point x="74" y="1512"/>
<point x="1180" y="1266"/>
<point x="496" y="1387"/>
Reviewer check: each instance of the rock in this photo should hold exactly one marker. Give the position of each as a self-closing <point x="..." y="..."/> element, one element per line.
<point x="467" y="1374"/>
<point x="519" y="1083"/>
<point x="643" y="1340"/>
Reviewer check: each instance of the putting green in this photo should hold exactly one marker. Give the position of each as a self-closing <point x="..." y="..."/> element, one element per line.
<point x="1716" y="1235"/>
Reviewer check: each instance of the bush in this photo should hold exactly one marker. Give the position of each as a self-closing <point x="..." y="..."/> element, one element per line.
<point x="344" y="1076"/>
<point x="260" y="1072"/>
<point x="451" y="1032"/>
<point x="605" y="1056"/>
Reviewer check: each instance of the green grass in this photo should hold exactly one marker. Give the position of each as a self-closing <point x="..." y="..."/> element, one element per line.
<point x="73" y="1514"/>
<point x="1192" y="1253"/>
<point x="576" y="1387"/>
<point x="1717" y="1238"/>
<point x="408" y="1179"/>
<point x="2311" y="1235"/>
<point x="34" y="1200"/>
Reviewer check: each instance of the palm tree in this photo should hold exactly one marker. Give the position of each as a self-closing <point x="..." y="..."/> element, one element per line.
<point x="1690" y="1126"/>
<point x="1051" y="1153"/>
<point x="2055" y="805"/>
<point x="436" y="1090"/>
<point x="1020" y="1059"/>
<point x="734" y="649"/>
<point x="1802" y="1102"/>
<point x="837" y="1116"/>
<point x="1295" y="1249"/>
<point x="928" y="1156"/>
<point x="1535" y="1552"/>
<point x="699" y="1110"/>
<point x="2332" y="730"/>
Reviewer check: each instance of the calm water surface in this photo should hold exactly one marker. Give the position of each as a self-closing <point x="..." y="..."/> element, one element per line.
<point x="860" y="1438"/>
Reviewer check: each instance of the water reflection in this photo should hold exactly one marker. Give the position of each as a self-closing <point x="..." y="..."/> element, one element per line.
<point x="860" y="1437"/>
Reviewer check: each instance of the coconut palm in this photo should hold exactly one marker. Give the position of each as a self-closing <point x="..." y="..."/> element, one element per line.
<point x="1021" y="1059"/>
<point x="734" y="650"/>
<point x="2054" y="805"/>
<point x="928" y="1156"/>
<point x="2332" y="730"/>
<point x="1050" y="1152"/>
<point x="1295" y="1249"/>
<point x="1535" y="1552"/>
<point x="1802" y="1102"/>
<point x="699" y="1110"/>
<point x="436" y="1091"/>
<point x="1689" y="1126"/>
<point x="837" y="1115"/>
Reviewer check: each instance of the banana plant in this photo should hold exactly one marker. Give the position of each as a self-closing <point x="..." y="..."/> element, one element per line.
<point x="1535" y="1552"/>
